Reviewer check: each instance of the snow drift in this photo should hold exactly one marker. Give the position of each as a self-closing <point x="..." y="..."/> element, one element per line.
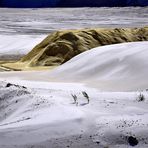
<point x="45" y="114"/>
<point x="112" y="67"/>
<point x="17" y="45"/>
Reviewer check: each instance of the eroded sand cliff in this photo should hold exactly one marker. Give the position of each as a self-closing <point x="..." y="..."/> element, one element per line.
<point x="61" y="46"/>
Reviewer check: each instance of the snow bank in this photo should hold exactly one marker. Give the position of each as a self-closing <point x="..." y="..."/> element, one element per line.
<point x="18" y="44"/>
<point x="113" y="67"/>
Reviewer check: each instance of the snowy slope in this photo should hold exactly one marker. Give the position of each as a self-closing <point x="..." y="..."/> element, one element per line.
<point x="114" y="67"/>
<point x="43" y="114"/>
<point x="18" y="44"/>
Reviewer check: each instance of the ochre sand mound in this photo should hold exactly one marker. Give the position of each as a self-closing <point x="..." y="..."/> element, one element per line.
<point x="61" y="46"/>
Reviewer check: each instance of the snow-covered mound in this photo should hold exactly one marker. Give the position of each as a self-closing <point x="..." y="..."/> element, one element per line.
<point x="112" y="67"/>
<point x="17" y="45"/>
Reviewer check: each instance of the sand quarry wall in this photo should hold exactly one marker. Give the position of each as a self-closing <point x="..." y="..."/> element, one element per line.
<point x="61" y="46"/>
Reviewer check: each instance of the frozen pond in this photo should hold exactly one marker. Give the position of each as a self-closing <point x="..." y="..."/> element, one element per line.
<point x="43" y="21"/>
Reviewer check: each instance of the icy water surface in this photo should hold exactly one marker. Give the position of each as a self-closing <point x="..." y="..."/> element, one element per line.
<point x="43" y="21"/>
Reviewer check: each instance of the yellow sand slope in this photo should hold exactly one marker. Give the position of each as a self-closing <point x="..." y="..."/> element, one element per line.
<point x="61" y="46"/>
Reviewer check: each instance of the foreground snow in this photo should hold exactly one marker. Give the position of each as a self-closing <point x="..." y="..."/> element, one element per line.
<point x="39" y="114"/>
<point x="48" y="116"/>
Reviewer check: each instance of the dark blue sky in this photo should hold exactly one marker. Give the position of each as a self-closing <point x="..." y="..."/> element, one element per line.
<point x="71" y="3"/>
<point x="28" y="3"/>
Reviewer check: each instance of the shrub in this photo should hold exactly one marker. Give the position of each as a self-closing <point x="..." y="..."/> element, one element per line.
<point x="85" y="95"/>
<point x="75" y="98"/>
<point x="141" y="97"/>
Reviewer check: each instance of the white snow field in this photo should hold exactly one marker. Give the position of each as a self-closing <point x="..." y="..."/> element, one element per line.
<point x="12" y="46"/>
<point x="44" y="21"/>
<point x="68" y="108"/>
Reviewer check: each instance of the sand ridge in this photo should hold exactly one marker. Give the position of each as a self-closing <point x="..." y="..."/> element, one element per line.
<point x="59" y="47"/>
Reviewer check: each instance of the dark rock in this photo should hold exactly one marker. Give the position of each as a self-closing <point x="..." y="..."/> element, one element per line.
<point x="132" y="141"/>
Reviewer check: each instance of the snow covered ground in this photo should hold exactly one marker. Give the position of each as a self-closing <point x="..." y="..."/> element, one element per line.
<point x="39" y="113"/>
<point x="42" y="112"/>
<point x="17" y="45"/>
<point x="35" y="117"/>
<point x="44" y="21"/>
